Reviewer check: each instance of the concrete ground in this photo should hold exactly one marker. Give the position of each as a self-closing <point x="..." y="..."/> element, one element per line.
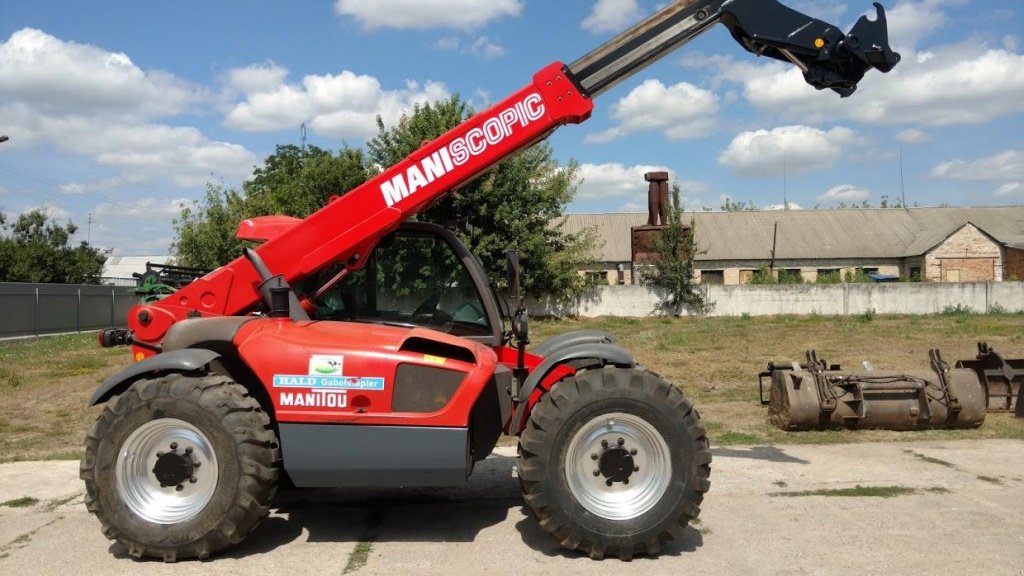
<point x="966" y="516"/>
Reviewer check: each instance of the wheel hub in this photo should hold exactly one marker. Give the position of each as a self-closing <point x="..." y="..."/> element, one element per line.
<point x="174" y="468"/>
<point x="616" y="464"/>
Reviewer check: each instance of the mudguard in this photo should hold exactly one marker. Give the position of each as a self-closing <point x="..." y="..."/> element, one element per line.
<point x="186" y="360"/>
<point x="574" y="338"/>
<point x="608" y="353"/>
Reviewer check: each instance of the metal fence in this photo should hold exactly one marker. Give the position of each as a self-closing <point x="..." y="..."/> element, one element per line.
<point x="37" y="309"/>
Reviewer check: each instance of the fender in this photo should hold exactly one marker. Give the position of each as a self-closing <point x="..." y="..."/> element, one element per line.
<point x="187" y="360"/>
<point x="609" y="353"/>
<point x="574" y="338"/>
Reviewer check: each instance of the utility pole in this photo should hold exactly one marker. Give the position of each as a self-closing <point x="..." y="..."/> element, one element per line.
<point x="785" y="185"/>
<point x="88" y="234"/>
<point x="903" y="191"/>
<point x="302" y="135"/>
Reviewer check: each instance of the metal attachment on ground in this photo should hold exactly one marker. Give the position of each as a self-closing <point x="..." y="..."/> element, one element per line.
<point x="1000" y="377"/>
<point x="816" y="396"/>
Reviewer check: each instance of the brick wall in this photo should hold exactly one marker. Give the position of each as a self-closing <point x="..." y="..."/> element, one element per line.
<point x="1014" y="264"/>
<point x="969" y="255"/>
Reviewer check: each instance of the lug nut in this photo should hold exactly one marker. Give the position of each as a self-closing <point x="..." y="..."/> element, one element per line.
<point x="621" y="441"/>
<point x="192" y="480"/>
<point x="604" y="443"/>
<point x="636" y="468"/>
<point x="180" y="488"/>
<point x="593" y="456"/>
<point x="608" y="483"/>
<point x="174" y="445"/>
<point x="597" y="472"/>
<point x="159" y="454"/>
<point x="188" y="450"/>
<point x="197" y="464"/>
<point x="625" y="481"/>
<point x="632" y="452"/>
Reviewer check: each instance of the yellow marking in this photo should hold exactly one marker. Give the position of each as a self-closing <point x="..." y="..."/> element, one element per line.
<point x="819" y="43"/>
<point x="434" y="359"/>
<point x="139" y="356"/>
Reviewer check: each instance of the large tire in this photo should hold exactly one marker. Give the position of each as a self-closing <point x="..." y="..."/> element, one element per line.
<point x="614" y="461"/>
<point x="213" y="447"/>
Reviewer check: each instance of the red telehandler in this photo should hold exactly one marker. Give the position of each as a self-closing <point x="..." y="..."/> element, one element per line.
<point x="351" y="349"/>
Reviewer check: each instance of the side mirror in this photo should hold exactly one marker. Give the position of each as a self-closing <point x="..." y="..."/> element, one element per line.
<point x="513" y="272"/>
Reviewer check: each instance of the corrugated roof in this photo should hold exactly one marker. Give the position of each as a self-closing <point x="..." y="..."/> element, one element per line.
<point x="812" y="234"/>
<point x="123" y="266"/>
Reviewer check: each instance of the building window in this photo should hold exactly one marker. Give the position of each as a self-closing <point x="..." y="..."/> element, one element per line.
<point x="829" y="276"/>
<point x="712" y="277"/>
<point x="790" y="276"/>
<point x="915" y="274"/>
<point x="953" y="275"/>
<point x="870" y="270"/>
<point x="597" y="277"/>
<point x="746" y="275"/>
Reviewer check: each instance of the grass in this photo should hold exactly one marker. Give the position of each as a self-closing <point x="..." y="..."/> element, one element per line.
<point x="23" y="502"/>
<point x="715" y="361"/>
<point x="359" y="556"/>
<point x="46" y="382"/>
<point x="856" y="491"/>
<point x="44" y="386"/>
<point x="929" y="459"/>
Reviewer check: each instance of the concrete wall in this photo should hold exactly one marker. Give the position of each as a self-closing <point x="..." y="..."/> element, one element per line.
<point x="828" y="299"/>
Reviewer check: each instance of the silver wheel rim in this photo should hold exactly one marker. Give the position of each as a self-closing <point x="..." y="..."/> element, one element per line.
<point x="617" y="500"/>
<point x="138" y="486"/>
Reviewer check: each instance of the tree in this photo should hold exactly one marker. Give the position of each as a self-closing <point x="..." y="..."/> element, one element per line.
<point x="36" y="249"/>
<point x="511" y="206"/>
<point x="672" y="272"/>
<point x="732" y="206"/>
<point x="293" y="181"/>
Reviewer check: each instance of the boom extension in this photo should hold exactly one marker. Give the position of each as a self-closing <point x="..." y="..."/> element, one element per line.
<point x="348" y="228"/>
<point x="827" y="57"/>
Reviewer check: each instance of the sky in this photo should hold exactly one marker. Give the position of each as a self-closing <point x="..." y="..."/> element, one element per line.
<point x="119" y="112"/>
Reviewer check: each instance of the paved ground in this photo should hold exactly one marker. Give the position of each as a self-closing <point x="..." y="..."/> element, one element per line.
<point x="967" y="517"/>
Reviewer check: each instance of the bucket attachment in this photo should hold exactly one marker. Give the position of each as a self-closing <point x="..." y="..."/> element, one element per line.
<point x="1001" y="379"/>
<point x="816" y="396"/>
<point x="827" y="57"/>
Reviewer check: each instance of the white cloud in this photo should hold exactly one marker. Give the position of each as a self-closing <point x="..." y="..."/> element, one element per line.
<point x="59" y="78"/>
<point x="344" y="105"/>
<point x="801" y="148"/>
<point x="1010" y="189"/>
<point x="486" y="49"/>
<point x="256" y="77"/>
<point x="52" y="211"/>
<point x="1003" y="167"/>
<point x="614" y="180"/>
<point x="98" y="104"/>
<point x="786" y="206"/>
<point x="913" y="136"/>
<point x="941" y="87"/>
<point x="482" y="47"/>
<point x="611" y="15"/>
<point x="844" y="193"/>
<point x="681" y="112"/>
<point x="424" y="14"/>
<point x="910" y="22"/>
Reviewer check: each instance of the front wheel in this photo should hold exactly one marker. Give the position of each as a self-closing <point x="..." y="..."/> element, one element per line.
<point x="180" y="466"/>
<point x="614" y="461"/>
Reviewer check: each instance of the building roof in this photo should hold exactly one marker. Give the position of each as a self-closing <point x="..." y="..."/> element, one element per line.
<point x="123" y="266"/>
<point x="813" y="234"/>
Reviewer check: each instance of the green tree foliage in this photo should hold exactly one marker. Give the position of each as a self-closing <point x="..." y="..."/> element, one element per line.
<point x="763" y="275"/>
<point x="293" y="181"/>
<point x="511" y="206"/>
<point x="732" y="206"/>
<point x="672" y="272"/>
<point x="36" y="249"/>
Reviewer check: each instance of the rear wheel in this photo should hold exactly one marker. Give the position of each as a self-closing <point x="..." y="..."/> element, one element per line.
<point x="180" y="466"/>
<point x="614" y="461"/>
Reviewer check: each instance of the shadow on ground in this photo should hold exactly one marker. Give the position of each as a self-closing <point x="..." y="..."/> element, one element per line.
<point x="769" y="453"/>
<point x="415" y="515"/>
